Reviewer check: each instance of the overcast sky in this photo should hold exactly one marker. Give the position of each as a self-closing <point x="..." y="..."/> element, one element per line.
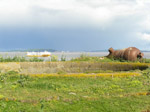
<point x="74" y="25"/>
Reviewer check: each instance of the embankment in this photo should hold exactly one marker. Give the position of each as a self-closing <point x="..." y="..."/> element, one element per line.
<point x="68" y="67"/>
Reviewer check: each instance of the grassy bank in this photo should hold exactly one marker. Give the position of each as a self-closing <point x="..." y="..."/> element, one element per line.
<point x="25" y="93"/>
<point x="70" y="67"/>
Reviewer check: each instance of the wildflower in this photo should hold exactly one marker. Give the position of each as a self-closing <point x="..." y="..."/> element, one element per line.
<point x="121" y="74"/>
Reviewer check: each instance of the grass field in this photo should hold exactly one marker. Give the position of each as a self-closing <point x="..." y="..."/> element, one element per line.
<point x="35" y="93"/>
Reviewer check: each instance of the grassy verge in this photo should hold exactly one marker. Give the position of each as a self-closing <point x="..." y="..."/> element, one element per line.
<point x="25" y="93"/>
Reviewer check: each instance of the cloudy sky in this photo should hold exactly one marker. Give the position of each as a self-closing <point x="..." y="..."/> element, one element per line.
<point x="74" y="25"/>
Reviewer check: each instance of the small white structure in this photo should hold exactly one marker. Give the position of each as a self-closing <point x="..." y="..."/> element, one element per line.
<point x="39" y="54"/>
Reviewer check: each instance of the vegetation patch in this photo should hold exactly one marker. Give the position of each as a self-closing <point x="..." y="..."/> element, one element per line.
<point x="75" y="92"/>
<point x="121" y="74"/>
<point x="20" y="59"/>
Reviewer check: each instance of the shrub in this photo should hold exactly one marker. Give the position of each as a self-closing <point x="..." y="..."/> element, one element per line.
<point x="63" y="58"/>
<point x="54" y="58"/>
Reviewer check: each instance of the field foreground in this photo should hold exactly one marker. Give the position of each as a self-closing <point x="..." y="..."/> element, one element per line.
<point x="127" y="92"/>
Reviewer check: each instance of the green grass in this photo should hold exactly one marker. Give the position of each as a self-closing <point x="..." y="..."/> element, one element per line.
<point x="23" y="93"/>
<point x="84" y="57"/>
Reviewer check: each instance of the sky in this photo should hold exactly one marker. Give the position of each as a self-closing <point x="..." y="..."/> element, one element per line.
<point x="74" y="25"/>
